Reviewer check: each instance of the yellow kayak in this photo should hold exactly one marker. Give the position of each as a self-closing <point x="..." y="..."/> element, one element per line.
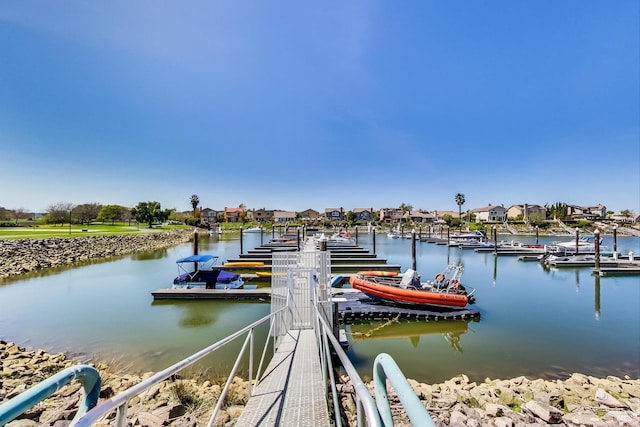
<point x="244" y="264"/>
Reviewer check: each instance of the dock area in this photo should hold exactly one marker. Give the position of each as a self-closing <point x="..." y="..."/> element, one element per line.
<point x="201" y="293"/>
<point x="620" y="270"/>
<point x="355" y="306"/>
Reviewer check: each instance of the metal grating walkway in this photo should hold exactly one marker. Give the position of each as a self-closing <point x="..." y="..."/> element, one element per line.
<point x="292" y="392"/>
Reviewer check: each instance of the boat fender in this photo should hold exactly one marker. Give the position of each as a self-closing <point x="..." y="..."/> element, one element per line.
<point x="439" y="278"/>
<point x="454" y="284"/>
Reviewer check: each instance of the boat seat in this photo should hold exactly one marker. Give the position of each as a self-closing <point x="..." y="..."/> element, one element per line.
<point x="408" y="279"/>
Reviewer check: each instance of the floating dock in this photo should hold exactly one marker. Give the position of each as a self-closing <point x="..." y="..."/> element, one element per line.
<point x="200" y="293"/>
<point x="355" y="306"/>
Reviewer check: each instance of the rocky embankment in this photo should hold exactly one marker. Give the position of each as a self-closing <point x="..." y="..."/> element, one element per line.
<point x="579" y="400"/>
<point x="23" y="256"/>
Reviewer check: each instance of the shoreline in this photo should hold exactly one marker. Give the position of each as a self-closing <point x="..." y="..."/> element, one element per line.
<point x="28" y="255"/>
<point x="578" y="400"/>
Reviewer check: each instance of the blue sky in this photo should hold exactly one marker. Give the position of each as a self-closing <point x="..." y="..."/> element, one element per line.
<point x="295" y="105"/>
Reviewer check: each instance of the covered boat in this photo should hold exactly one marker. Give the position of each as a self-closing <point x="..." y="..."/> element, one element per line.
<point x="444" y="291"/>
<point x="204" y="275"/>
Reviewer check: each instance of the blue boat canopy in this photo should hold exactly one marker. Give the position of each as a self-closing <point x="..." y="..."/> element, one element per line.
<point x="196" y="258"/>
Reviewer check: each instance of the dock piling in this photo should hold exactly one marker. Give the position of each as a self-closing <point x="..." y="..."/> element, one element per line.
<point x="413" y="250"/>
<point x="596" y="235"/>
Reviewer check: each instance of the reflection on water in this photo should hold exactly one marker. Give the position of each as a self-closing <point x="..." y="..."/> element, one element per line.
<point x="452" y="330"/>
<point x="533" y="322"/>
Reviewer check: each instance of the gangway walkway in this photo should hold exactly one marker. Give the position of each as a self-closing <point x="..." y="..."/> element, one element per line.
<point x="292" y="392"/>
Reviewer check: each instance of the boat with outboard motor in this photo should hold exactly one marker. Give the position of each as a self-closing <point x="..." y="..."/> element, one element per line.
<point x="444" y="291"/>
<point x="204" y="274"/>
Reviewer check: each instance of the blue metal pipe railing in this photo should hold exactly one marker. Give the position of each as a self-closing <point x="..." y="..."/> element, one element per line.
<point x="385" y="368"/>
<point x="87" y="375"/>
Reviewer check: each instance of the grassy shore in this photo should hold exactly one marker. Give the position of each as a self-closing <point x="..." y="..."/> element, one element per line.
<point x="75" y="230"/>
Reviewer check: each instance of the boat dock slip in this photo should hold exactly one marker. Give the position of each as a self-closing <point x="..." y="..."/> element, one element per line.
<point x="293" y="392"/>
<point x="200" y="293"/>
<point x="621" y="270"/>
<point x="354" y="305"/>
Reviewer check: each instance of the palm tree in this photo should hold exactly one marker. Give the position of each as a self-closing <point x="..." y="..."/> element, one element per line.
<point x="460" y="201"/>
<point x="195" y="201"/>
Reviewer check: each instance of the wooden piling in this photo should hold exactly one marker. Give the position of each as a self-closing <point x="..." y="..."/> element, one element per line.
<point x="413" y="250"/>
<point x="577" y="240"/>
<point x="596" y="235"/>
<point x="537" y="234"/>
<point x="615" y="241"/>
<point x="241" y="242"/>
<point x="494" y="231"/>
<point x="374" y="240"/>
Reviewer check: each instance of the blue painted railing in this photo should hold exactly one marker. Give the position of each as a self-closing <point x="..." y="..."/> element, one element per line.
<point x="87" y="375"/>
<point x="385" y="368"/>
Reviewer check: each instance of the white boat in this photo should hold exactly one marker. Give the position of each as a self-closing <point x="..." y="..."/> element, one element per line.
<point x="252" y="230"/>
<point x="585" y="244"/>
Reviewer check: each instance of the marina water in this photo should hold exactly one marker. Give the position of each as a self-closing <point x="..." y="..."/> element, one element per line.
<point x="533" y="321"/>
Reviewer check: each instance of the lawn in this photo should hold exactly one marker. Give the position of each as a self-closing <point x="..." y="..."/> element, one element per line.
<point x="98" y="229"/>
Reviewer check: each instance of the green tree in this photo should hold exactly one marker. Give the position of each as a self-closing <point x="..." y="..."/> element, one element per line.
<point x="148" y="212"/>
<point x="86" y="212"/>
<point x="112" y="213"/>
<point x="537" y="219"/>
<point x="350" y="217"/>
<point x="59" y="213"/>
<point x="460" y="201"/>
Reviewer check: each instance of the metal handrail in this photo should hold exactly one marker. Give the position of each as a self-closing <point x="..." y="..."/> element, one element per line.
<point x="87" y="375"/>
<point x="364" y="399"/>
<point x="120" y="401"/>
<point x="385" y="368"/>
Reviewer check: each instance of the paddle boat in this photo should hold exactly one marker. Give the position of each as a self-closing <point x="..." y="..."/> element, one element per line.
<point x="204" y="274"/>
<point x="445" y="290"/>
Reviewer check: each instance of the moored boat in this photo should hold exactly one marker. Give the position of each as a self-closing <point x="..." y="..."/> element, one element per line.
<point x="444" y="291"/>
<point x="203" y="275"/>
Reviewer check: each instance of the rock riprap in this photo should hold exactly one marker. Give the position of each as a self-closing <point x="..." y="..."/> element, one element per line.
<point x="579" y="400"/>
<point x="23" y="256"/>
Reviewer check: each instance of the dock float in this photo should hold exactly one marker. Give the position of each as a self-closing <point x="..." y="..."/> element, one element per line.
<point x="355" y="306"/>
<point x="629" y="270"/>
<point x="199" y="293"/>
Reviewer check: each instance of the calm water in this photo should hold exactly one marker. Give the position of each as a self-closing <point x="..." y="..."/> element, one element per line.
<point x="534" y="322"/>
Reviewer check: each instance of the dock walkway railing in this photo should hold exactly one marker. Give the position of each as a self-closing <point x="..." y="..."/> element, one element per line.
<point x="293" y="314"/>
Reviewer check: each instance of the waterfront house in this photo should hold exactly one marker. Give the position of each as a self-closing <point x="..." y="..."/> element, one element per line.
<point x="233" y="214"/>
<point x="490" y="213"/>
<point x="208" y="216"/>
<point x="263" y="215"/>
<point x="441" y="214"/>
<point x="586" y="212"/>
<point x="284" y="216"/>
<point x="422" y="217"/>
<point x="309" y="215"/>
<point x="334" y="214"/>
<point x="391" y="215"/>
<point x="364" y="214"/>
<point x="525" y="211"/>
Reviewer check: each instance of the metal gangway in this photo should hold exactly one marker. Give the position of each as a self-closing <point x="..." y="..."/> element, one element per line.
<point x="299" y="385"/>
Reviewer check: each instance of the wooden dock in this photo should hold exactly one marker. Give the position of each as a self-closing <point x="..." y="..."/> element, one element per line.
<point x="292" y="392"/>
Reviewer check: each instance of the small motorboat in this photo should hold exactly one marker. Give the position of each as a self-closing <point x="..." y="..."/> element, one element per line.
<point x="252" y="230"/>
<point x="444" y="291"/>
<point x="204" y="275"/>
